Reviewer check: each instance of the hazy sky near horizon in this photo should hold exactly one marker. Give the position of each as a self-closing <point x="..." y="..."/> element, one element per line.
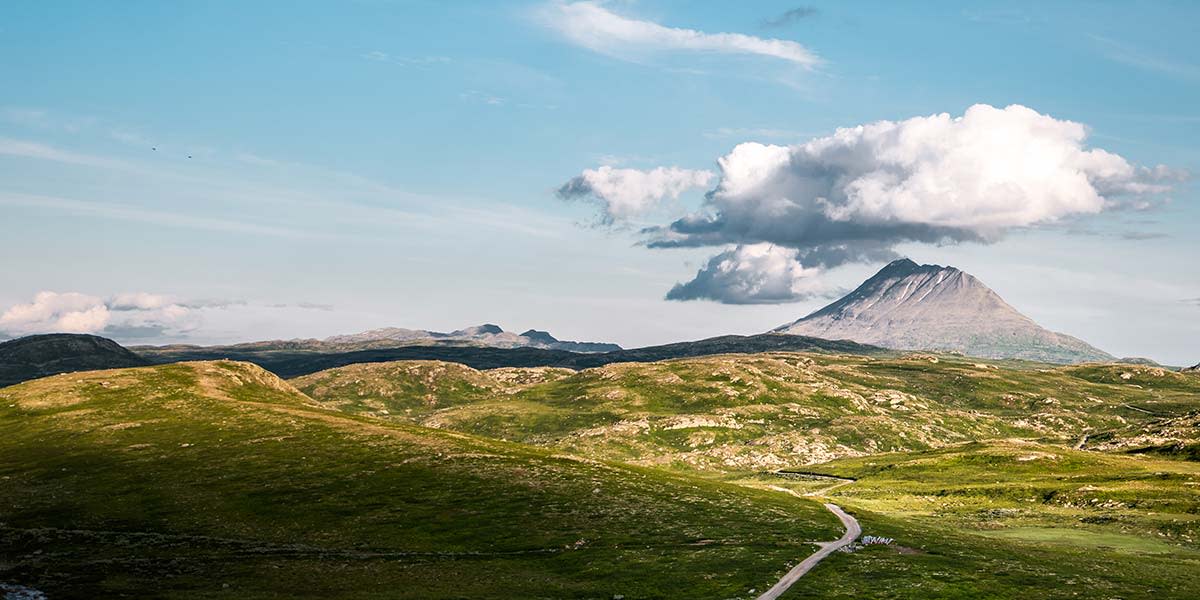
<point x="224" y="171"/>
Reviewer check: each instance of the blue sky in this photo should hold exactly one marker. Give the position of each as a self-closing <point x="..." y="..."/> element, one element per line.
<point x="225" y="171"/>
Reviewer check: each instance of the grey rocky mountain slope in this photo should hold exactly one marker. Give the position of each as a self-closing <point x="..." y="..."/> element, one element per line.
<point x="482" y="335"/>
<point x="1195" y="369"/>
<point x="931" y="307"/>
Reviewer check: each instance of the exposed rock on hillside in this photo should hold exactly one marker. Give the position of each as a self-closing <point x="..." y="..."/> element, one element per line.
<point x="930" y="307"/>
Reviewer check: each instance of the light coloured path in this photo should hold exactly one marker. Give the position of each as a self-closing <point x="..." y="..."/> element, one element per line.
<point x="853" y="530"/>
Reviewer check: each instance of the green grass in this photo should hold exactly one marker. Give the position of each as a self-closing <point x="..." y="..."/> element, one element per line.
<point x="742" y="413"/>
<point x="937" y="562"/>
<point x="175" y="481"/>
<point x="1087" y="539"/>
<point x="643" y="480"/>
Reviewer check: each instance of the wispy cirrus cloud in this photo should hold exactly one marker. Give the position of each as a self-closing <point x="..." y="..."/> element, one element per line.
<point x="1126" y="54"/>
<point x="790" y="17"/>
<point x="595" y="27"/>
<point x="141" y="214"/>
<point x="404" y="61"/>
<point x="757" y="132"/>
<point x="35" y="150"/>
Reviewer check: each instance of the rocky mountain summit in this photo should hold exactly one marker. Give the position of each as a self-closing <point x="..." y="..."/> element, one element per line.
<point x="936" y="308"/>
<point x="482" y="335"/>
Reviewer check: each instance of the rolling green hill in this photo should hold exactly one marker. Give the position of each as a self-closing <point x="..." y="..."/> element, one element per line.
<point x="763" y="411"/>
<point x="1021" y="515"/>
<point x="217" y="479"/>
<point x="36" y="356"/>
<point x="427" y="479"/>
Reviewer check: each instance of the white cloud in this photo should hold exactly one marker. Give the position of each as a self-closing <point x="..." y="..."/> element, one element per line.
<point x="1135" y="57"/>
<point x="479" y="97"/>
<point x="405" y="61"/>
<point x="139" y="214"/>
<point x="35" y="150"/>
<point x="923" y="179"/>
<point x="626" y="193"/>
<point x="593" y="26"/>
<point x="130" y="315"/>
<point x="752" y="274"/>
<point x="854" y="195"/>
<point x="754" y="132"/>
<point x="50" y="311"/>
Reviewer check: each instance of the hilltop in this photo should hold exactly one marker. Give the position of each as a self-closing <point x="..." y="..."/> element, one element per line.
<point x="936" y="308"/>
<point x="43" y="355"/>
<point x="763" y="411"/>
<point x="206" y="479"/>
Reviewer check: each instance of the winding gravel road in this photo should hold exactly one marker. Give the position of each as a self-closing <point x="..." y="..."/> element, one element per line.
<point x="853" y="530"/>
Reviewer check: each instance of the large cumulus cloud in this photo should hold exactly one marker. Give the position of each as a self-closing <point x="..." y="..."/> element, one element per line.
<point x="752" y="274"/>
<point x="623" y="194"/>
<point x="854" y="195"/>
<point x="130" y="316"/>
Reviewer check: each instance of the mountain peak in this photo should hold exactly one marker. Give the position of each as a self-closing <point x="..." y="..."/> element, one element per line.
<point x="485" y="329"/>
<point x="930" y="307"/>
<point x="540" y="336"/>
<point x="901" y="265"/>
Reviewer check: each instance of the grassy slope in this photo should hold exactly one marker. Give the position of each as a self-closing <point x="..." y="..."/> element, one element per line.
<point x="769" y="410"/>
<point x="1012" y="519"/>
<point x="1009" y="518"/>
<point x="1001" y="486"/>
<point x="180" y="480"/>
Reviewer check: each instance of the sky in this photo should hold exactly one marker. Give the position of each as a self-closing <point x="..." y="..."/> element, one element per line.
<point x="636" y="172"/>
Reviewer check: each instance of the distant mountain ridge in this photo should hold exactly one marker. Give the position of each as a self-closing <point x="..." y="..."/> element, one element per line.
<point x="484" y="335"/>
<point x="935" y="308"/>
<point x="294" y="358"/>
<point x="37" y="356"/>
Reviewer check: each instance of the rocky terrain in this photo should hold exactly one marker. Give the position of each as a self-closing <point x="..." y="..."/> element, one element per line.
<point x="42" y="355"/>
<point x="1174" y="436"/>
<point x="930" y="307"/>
<point x="764" y="411"/>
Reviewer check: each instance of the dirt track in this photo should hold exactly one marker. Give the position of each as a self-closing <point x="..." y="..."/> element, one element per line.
<point x="853" y="530"/>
